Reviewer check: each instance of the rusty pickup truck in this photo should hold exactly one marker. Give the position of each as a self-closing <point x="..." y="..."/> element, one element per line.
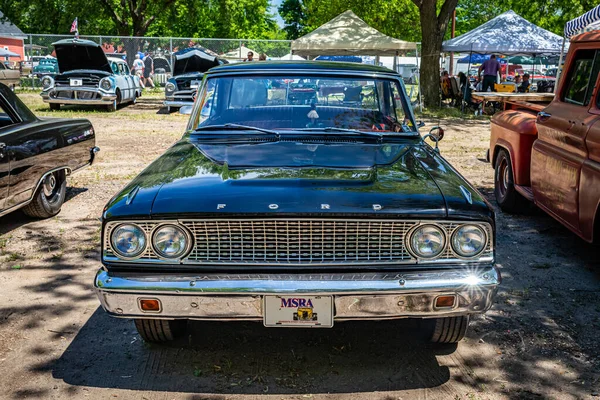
<point x="550" y="154"/>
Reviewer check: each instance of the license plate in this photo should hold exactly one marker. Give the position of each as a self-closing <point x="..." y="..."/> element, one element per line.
<point x="298" y="311"/>
<point x="76" y="82"/>
<point x="194" y="84"/>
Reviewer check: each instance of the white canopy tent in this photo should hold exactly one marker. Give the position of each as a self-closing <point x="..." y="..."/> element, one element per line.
<point x="239" y="54"/>
<point x="347" y="34"/>
<point x="508" y="34"/>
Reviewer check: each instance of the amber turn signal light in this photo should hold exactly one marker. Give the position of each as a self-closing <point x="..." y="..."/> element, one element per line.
<point x="150" y="305"/>
<point x="445" y="301"/>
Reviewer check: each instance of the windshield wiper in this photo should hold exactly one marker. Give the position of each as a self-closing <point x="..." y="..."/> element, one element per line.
<point x="345" y="130"/>
<point x="236" y="127"/>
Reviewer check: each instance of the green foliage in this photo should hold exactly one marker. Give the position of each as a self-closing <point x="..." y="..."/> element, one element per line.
<point x="396" y="18"/>
<point x="248" y="19"/>
<point x="548" y="14"/>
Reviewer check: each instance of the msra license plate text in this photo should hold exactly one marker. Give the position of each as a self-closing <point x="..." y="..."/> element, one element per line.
<point x="298" y="311"/>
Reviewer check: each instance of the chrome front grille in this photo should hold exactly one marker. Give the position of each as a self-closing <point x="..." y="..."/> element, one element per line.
<point x="272" y="242"/>
<point x="297" y="241"/>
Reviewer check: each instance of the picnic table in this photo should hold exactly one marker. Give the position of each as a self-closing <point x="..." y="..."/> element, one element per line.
<point x="506" y="98"/>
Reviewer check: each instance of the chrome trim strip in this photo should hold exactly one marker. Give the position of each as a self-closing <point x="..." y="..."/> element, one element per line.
<point x="467" y="195"/>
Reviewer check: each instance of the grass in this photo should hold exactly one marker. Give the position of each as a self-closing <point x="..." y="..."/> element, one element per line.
<point x="449" y="113"/>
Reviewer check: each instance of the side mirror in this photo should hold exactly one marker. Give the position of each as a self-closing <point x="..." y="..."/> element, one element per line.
<point x="436" y="134"/>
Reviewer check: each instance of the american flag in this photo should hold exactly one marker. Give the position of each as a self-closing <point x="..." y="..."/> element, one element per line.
<point x="74" y="26"/>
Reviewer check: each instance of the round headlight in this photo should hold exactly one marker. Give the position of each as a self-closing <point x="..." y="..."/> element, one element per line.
<point x="169" y="87"/>
<point x="427" y="241"/>
<point x="105" y="84"/>
<point x="47" y="81"/>
<point x="170" y="241"/>
<point x="469" y="240"/>
<point x="128" y="240"/>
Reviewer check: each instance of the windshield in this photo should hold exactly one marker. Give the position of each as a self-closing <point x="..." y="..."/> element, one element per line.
<point x="292" y="102"/>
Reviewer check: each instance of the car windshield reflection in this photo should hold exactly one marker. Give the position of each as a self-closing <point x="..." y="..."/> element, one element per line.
<point x="306" y="103"/>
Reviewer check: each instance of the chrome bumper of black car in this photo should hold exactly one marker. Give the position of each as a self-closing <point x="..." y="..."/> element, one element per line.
<point x="356" y="296"/>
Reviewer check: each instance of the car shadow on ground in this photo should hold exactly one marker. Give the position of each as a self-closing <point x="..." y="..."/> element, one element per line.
<point x="17" y="218"/>
<point x="247" y="358"/>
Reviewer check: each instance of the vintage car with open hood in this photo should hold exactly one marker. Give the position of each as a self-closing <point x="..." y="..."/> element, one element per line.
<point x="88" y="77"/>
<point x="299" y="211"/>
<point x="189" y="66"/>
<point x="37" y="155"/>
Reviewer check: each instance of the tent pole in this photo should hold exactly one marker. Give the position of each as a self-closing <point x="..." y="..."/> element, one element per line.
<point x="559" y="69"/>
<point x="467" y="83"/>
<point x="419" y="77"/>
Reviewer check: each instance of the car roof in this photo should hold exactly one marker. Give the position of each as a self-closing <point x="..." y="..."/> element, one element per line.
<point x="311" y="66"/>
<point x="115" y="59"/>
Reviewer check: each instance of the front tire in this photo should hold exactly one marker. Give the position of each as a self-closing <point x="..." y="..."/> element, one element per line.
<point x="54" y="106"/>
<point x="160" y="330"/>
<point x="49" y="197"/>
<point x="449" y="329"/>
<point x="507" y="196"/>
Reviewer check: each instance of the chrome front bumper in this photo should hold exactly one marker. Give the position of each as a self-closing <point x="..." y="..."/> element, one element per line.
<point x="176" y="103"/>
<point x="52" y="96"/>
<point x="357" y="296"/>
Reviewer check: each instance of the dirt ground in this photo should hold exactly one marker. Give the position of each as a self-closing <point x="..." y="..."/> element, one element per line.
<point x="539" y="340"/>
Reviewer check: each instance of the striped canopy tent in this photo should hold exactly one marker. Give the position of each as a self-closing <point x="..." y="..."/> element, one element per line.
<point x="590" y="21"/>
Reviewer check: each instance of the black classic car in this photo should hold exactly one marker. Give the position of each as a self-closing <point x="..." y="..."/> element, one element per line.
<point x="189" y="66"/>
<point x="36" y="156"/>
<point x="298" y="212"/>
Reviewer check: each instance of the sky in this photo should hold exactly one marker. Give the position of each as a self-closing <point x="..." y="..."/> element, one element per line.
<point x="274" y="5"/>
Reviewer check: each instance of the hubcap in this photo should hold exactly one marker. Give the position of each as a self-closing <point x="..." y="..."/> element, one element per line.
<point x="49" y="185"/>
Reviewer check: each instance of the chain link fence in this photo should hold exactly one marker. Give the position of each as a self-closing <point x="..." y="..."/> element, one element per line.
<point x="38" y="48"/>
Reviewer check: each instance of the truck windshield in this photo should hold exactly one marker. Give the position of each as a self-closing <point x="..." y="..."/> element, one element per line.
<point x="305" y="103"/>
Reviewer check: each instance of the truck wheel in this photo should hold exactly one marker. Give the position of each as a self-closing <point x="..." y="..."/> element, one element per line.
<point x="450" y="329"/>
<point x="54" y="106"/>
<point x="507" y="197"/>
<point x="49" y="197"/>
<point x="160" y="330"/>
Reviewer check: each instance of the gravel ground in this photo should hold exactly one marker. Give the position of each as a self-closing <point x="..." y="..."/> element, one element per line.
<point x="538" y="341"/>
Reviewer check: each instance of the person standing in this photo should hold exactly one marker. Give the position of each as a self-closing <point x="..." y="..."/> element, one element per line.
<point x="149" y="69"/>
<point x="490" y="70"/>
<point x="138" y="69"/>
<point x="250" y="57"/>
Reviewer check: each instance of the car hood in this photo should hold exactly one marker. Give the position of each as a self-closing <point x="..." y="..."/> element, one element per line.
<point x="80" y="55"/>
<point x="193" y="60"/>
<point x="193" y="179"/>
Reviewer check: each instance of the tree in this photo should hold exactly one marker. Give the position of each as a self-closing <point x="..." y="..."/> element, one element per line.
<point x="292" y="14"/>
<point x="396" y="18"/>
<point x="433" y="28"/>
